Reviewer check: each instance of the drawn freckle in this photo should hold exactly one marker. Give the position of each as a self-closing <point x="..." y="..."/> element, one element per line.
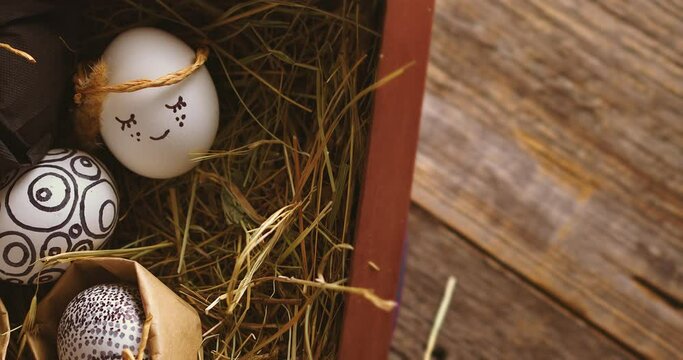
<point x="181" y="124"/>
<point x="183" y="117"/>
<point x="137" y="133"/>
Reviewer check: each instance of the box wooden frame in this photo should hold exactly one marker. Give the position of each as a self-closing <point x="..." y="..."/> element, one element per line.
<point x="385" y="197"/>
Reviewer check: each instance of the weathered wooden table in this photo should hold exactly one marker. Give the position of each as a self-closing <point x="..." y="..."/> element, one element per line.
<point x="549" y="180"/>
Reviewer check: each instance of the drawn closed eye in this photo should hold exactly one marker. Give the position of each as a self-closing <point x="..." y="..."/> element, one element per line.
<point x="127" y="123"/>
<point x="178" y="105"/>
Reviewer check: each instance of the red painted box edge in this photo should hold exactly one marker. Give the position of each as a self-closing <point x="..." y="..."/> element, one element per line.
<point x="385" y="197"/>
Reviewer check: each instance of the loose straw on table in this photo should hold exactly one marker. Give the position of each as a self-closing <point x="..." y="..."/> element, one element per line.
<point x="18" y="52"/>
<point x="440" y="316"/>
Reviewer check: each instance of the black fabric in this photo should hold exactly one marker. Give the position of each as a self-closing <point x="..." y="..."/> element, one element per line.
<point x="33" y="96"/>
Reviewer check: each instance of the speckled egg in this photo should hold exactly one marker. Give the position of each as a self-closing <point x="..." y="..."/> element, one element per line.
<point x="66" y="202"/>
<point x="100" y="322"/>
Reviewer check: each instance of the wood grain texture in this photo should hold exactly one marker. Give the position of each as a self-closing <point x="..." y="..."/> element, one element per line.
<point x="493" y="315"/>
<point x="552" y="137"/>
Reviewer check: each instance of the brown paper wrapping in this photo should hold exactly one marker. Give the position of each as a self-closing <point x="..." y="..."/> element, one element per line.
<point x="175" y="331"/>
<point x="4" y="331"/>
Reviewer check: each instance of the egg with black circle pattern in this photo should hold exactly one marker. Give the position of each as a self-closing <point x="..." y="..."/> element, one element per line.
<point x="100" y="322"/>
<point x="66" y="202"/>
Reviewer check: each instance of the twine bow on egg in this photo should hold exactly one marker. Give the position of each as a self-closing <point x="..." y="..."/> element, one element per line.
<point x="92" y="85"/>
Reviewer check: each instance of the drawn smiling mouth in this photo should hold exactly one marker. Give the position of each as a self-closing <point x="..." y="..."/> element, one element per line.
<point x="165" y="134"/>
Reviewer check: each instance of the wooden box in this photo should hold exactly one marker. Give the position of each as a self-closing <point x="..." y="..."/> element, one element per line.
<point x="385" y="198"/>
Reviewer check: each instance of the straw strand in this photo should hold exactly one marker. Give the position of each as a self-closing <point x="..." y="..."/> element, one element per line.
<point x="18" y="52"/>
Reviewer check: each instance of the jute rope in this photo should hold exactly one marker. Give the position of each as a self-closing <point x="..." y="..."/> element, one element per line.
<point x="18" y="52"/>
<point x="91" y="86"/>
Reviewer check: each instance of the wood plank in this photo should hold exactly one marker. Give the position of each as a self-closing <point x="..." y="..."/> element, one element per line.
<point x="552" y="137"/>
<point x="493" y="314"/>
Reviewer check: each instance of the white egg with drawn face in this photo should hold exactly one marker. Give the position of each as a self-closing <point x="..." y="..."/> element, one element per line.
<point x="66" y="202"/>
<point x="155" y="131"/>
